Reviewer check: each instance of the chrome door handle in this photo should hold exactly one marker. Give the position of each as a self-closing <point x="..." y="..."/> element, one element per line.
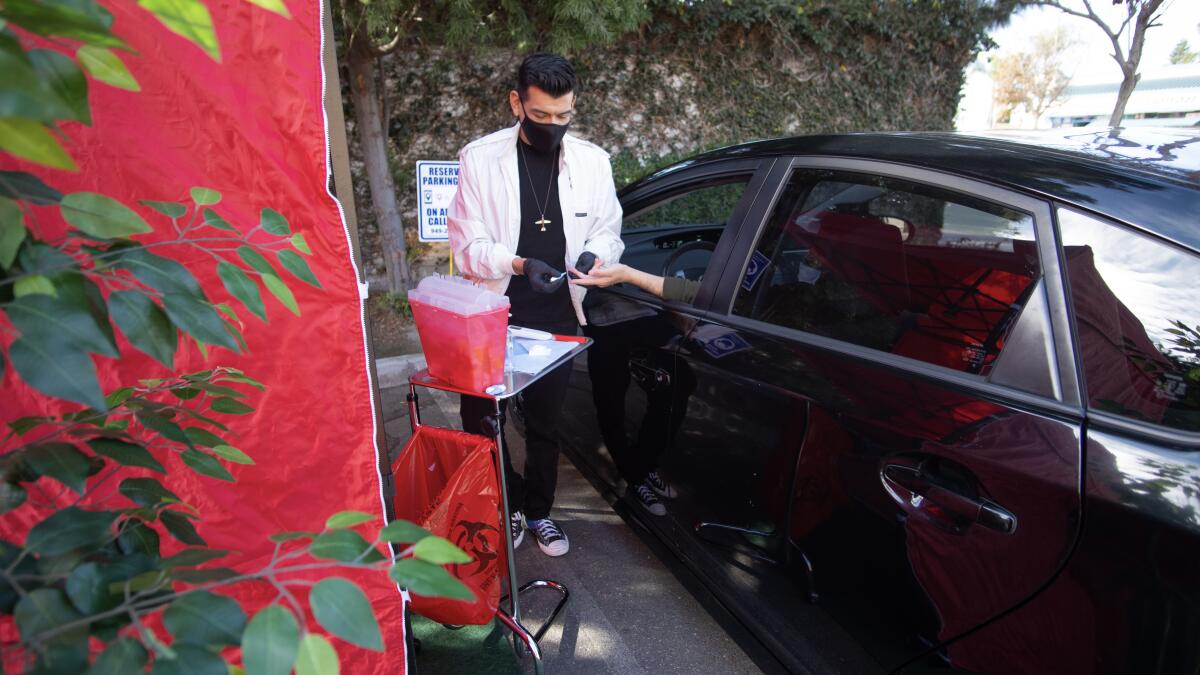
<point x="950" y="505"/>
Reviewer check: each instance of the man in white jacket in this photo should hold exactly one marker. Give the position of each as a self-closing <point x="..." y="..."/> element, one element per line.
<point x="531" y="199"/>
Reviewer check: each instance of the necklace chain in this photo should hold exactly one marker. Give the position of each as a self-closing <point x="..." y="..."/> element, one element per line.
<point x="533" y="189"/>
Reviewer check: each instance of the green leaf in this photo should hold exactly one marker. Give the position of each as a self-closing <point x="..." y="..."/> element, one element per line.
<point x="11" y="496"/>
<point x="60" y="76"/>
<point x="203" y="437"/>
<point x="430" y="580"/>
<point x="279" y="8"/>
<point x="119" y="396"/>
<point x="106" y="67"/>
<point x="218" y="390"/>
<point x="271" y="641"/>
<point x="290" y="536"/>
<point x="27" y="187"/>
<point x="204" y="576"/>
<point x="186" y="393"/>
<point x="162" y="274"/>
<point x="58" y="369"/>
<point x="60" y="461"/>
<point x="125" y="454"/>
<point x="188" y="18"/>
<point x="205" y="465"/>
<point x="205" y="196"/>
<point x="65" y="658"/>
<point x="56" y="319"/>
<point x="239" y="376"/>
<point x="168" y="209"/>
<point x="191" y="660"/>
<point x="342" y="609"/>
<point x="137" y="537"/>
<point x="241" y="287"/>
<point x="343" y="519"/>
<point x="273" y="222"/>
<point x="30" y="140"/>
<point x="145" y="325"/>
<point x="12" y="231"/>
<point x="198" y="318"/>
<point x="34" y="285"/>
<point x="296" y="265"/>
<point x="24" y="92"/>
<point x="192" y="557"/>
<point x="181" y="528"/>
<point x="230" y="406"/>
<point x="101" y="216"/>
<point x="88" y="589"/>
<point x="46" y="609"/>
<point x="440" y="551"/>
<point x="212" y="219"/>
<point x="68" y="529"/>
<point x="120" y="658"/>
<point x="69" y="20"/>
<point x="343" y="546"/>
<point x="255" y="260"/>
<point x="147" y="492"/>
<point x="23" y="425"/>
<point x="205" y="619"/>
<point x="300" y="243"/>
<point x="232" y="454"/>
<point x="281" y="292"/>
<point x="317" y="656"/>
<point x="403" y="532"/>
<point x="165" y="427"/>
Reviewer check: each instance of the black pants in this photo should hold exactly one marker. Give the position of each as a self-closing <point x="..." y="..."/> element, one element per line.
<point x="533" y="492"/>
<point x="609" y="363"/>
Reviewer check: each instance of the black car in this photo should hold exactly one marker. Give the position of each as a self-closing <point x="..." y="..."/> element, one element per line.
<point x="936" y="403"/>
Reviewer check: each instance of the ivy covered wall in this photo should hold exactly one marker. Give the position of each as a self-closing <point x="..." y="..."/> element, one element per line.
<point x="698" y="75"/>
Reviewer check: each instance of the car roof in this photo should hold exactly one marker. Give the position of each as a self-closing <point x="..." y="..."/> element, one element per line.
<point x="1149" y="178"/>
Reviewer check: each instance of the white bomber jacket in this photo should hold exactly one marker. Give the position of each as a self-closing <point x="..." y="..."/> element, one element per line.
<point x="485" y="215"/>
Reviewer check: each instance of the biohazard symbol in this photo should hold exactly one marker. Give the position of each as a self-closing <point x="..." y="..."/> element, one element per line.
<point x="472" y="537"/>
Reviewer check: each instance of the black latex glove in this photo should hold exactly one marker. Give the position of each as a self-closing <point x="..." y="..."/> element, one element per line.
<point x="542" y="277"/>
<point x="584" y="265"/>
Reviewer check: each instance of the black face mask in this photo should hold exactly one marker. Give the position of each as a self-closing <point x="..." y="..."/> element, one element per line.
<point x="543" y="137"/>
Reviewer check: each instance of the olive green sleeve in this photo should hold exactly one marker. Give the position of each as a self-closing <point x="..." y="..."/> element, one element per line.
<point x="678" y="289"/>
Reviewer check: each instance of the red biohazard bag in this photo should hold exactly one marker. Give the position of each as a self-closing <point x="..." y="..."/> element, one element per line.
<point x="446" y="482"/>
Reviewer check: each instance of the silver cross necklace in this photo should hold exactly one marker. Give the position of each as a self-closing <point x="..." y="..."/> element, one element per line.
<point x="533" y="190"/>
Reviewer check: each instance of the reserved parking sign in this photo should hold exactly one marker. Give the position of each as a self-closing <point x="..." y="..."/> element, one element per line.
<point x="436" y="184"/>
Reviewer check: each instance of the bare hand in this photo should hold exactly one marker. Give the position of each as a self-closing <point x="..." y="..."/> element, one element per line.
<point x="603" y="276"/>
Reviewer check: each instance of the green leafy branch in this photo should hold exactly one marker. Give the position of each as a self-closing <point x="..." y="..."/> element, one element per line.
<point x="52" y="292"/>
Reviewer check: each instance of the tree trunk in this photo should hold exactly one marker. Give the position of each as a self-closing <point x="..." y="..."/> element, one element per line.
<point x="1128" y="83"/>
<point x="371" y="138"/>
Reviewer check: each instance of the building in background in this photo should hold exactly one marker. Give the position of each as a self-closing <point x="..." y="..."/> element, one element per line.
<point x="1165" y="96"/>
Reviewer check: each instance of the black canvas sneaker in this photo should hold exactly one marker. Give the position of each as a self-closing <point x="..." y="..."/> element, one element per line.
<point x="516" y="524"/>
<point x="645" y="496"/>
<point x="550" y="537"/>
<point x="662" y="487"/>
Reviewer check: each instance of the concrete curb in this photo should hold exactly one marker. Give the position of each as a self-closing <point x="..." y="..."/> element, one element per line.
<point x="394" y="371"/>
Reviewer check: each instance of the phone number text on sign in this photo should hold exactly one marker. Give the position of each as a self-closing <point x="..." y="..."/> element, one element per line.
<point x="436" y="184"/>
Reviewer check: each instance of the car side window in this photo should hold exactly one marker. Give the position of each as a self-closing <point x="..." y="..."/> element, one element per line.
<point x="1137" y="318"/>
<point x="893" y="265"/>
<point x="676" y="235"/>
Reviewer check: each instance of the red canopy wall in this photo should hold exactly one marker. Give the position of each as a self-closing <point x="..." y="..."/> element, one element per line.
<point x="251" y="126"/>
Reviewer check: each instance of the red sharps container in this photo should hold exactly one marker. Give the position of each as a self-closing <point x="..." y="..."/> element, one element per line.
<point x="463" y="329"/>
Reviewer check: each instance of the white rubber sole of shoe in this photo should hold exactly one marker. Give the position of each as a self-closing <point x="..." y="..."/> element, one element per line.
<point x="556" y="549"/>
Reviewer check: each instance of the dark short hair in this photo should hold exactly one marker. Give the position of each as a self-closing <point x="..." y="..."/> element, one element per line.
<point x="549" y="72"/>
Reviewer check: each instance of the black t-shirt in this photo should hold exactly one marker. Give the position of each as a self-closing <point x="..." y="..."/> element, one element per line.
<point x="539" y="171"/>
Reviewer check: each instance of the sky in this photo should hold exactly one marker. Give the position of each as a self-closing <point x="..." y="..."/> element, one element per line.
<point x="1091" y="60"/>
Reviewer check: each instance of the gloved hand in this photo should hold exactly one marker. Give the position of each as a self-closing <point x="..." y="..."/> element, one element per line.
<point x="542" y="277"/>
<point x="585" y="262"/>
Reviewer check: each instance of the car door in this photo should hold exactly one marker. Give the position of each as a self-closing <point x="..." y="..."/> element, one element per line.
<point x="682" y="224"/>
<point x="898" y="440"/>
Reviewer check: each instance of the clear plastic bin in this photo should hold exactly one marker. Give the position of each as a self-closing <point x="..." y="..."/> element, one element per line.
<point x="463" y="331"/>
